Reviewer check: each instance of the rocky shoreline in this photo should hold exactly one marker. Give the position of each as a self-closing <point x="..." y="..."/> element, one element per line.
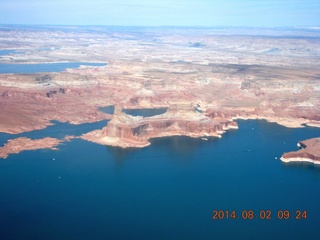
<point x="125" y="131"/>
<point x="309" y="152"/>
<point x="238" y="79"/>
<point x="17" y="145"/>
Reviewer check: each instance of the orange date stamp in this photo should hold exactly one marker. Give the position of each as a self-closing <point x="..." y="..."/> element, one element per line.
<point x="262" y="214"/>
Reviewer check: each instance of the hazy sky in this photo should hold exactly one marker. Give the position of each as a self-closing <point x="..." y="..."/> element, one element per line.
<point x="267" y="13"/>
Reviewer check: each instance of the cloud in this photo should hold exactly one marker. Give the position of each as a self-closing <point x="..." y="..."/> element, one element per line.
<point x="164" y="12"/>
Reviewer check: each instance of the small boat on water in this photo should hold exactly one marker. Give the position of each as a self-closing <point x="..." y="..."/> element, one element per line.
<point x="205" y="139"/>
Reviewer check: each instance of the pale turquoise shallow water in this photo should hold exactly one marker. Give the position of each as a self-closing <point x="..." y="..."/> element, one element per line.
<point x="165" y="191"/>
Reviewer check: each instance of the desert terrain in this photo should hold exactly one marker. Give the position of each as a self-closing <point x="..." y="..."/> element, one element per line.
<point x="308" y="152"/>
<point x="207" y="78"/>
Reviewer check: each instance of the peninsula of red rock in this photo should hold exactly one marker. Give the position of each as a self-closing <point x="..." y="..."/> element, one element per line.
<point x="309" y="152"/>
<point x="20" y="144"/>
<point x="206" y="78"/>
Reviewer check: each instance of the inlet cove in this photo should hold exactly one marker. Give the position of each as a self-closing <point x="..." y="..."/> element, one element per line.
<point x="173" y="183"/>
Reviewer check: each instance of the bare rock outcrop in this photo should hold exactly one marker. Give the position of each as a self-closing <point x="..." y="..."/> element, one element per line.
<point x="309" y="152"/>
<point x="18" y="145"/>
<point x="128" y="131"/>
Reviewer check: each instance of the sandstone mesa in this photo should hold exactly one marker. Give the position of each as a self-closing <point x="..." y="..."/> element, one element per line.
<point x="226" y="77"/>
<point x="180" y="120"/>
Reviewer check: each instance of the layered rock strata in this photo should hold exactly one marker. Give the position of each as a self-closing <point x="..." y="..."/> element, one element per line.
<point x="309" y="152"/>
<point x="226" y="76"/>
<point x="128" y="131"/>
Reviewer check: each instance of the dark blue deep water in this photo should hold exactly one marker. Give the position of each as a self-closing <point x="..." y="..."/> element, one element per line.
<point x="42" y="67"/>
<point x="165" y="191"/>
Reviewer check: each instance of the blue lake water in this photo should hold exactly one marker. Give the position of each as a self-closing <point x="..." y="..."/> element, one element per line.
<point x="165" y="191"/>
<point x="57" y="130"/>
<point x="108" y="109"/>
<point x="145" y="112"/>
<point x="42" y="67"/>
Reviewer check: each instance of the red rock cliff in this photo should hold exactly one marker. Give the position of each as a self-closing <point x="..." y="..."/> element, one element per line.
<point x="309" y="152"/>
<point x="128" y="131"/>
